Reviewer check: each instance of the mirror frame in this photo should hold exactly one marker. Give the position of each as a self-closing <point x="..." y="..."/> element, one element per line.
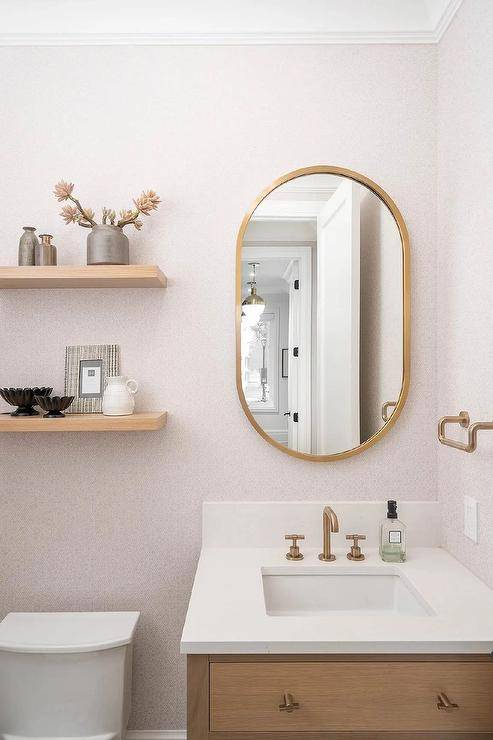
<point x="406" y="301"/>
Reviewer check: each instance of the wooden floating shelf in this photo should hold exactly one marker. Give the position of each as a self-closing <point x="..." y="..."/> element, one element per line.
<point x="83" y="276"/>
<point x="149" y="422"/>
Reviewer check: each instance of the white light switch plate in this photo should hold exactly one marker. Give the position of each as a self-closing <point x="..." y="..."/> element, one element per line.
<point x="471" y="518"/>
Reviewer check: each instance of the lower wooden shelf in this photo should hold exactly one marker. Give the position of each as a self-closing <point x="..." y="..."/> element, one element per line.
<point x="144" y="422"/>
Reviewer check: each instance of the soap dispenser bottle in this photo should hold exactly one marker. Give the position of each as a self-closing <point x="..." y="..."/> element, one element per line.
<point x="392" y="536"/>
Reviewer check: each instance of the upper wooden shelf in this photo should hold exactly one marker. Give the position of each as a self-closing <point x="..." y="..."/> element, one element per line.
<point x="149" y="422"/>
<point x="83" y="276"/>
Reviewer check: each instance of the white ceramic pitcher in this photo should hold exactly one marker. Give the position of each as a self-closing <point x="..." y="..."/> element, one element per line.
<point x="118" y="398"/>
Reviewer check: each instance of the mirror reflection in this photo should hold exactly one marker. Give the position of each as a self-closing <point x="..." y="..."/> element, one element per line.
<point x="322" y="314"/>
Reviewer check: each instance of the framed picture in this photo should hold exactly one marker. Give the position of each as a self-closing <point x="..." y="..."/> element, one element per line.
<point x="91" y="379"/>
<point x="86" y="369"/>
<point x="284" y="363"/>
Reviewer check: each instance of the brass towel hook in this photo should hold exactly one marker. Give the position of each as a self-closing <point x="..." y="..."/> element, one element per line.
<point x="464" y="421"/>
<point x="385" y="409"/>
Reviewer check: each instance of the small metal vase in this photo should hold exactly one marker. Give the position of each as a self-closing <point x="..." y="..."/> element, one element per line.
<point x="45" y="253"/>
<point x="107" y="245"/>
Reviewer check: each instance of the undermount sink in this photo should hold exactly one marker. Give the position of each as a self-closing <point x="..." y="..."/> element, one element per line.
<point x="341" y="592"/>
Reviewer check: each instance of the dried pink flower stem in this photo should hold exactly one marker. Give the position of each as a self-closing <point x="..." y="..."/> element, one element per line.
<point x="124" y="222"/>
<point x="89" y="221"/>
<point x="147" y="202"/>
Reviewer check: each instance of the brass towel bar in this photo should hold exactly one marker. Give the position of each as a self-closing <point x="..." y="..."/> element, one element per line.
<point x="472" y="431"/>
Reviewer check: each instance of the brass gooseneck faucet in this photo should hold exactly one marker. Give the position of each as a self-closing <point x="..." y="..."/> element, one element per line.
<point x="331" y="524"/>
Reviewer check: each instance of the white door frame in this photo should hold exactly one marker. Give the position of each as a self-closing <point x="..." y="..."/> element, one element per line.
<point x="274" y="251"/>
<point x="291" y="274"/>
<point x="338" y="321"/>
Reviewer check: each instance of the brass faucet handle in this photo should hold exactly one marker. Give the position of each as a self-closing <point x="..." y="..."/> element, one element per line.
<point x="294" y="550"/>
<point x="294" y="537"/>
<point x="355" y="553"/>
<point x="356" y="537"/>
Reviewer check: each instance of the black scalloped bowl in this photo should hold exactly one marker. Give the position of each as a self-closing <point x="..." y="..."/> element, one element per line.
<point x="24" y="399"/>
<point x="54" y="405"/>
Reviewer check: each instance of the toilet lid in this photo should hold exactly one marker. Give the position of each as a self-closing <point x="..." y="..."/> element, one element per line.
<point x="66" y="632"/>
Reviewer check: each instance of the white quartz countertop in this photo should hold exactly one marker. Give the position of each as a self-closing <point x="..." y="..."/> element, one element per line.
<point x="227" y="612"/>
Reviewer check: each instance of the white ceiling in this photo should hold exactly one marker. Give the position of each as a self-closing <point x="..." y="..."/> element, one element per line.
<point x="65" y="22"/>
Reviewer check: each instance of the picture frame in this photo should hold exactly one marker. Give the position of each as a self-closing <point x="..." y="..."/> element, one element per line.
<point x="284" y="363"/>
<point x="86" y="369"/>
<point x="91" y="379"/>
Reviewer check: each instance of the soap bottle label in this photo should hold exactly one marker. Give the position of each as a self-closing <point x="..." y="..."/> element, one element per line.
<point x="395" y="536"/>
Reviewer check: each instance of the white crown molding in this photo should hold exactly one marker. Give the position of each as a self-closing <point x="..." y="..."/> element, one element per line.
<point x="287" y="210"/>
<point x="234" y="38"/>
<point x="156" y="735"/>
<point x="218" y="39"/>
<point x="446" y="18"/>
<point x="281" y="243"/>
<point x="293" y="193"/>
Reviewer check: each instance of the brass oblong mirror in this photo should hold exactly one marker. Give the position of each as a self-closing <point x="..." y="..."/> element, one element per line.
<point x="322" y="313"/>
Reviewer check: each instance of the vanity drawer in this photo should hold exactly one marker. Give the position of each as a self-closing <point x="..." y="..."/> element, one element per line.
<point x="357" y="696"/>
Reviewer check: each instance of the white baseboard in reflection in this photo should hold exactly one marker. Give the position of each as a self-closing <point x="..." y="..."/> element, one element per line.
<point x="156" y="735"/>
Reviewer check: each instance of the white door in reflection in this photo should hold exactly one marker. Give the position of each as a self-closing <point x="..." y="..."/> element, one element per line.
<point x="338" y="321"/>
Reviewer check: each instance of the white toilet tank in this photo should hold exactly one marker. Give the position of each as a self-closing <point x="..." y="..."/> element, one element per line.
<point x="66" y="675"/>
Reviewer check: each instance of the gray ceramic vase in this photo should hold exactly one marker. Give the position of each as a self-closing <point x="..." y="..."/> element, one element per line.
<point x="107" y="245"/>
<point x="27" y="245"/>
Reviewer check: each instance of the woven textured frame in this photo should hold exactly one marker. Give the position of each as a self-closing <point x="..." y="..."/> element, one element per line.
<point x="110" y="356"/>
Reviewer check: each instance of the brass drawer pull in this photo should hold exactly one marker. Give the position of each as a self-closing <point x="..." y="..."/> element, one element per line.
<point x="443" y="702"/>
<point x="289" y="705"/>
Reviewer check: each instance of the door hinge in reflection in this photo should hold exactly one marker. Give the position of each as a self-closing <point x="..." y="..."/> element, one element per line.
<point x="295" y="415"/>
<point x="296" y="351"/>
<point x="296" y="285"/>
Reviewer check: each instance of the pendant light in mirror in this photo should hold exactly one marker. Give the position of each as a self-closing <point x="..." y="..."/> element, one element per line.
<point x="253" y="306"/>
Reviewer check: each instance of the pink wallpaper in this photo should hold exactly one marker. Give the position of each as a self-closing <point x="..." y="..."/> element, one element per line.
<point x="113" y="521"/>
<point x="465" y="271"/>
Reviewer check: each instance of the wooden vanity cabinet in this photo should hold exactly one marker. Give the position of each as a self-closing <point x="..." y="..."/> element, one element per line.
<point x="317" y="697"/>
